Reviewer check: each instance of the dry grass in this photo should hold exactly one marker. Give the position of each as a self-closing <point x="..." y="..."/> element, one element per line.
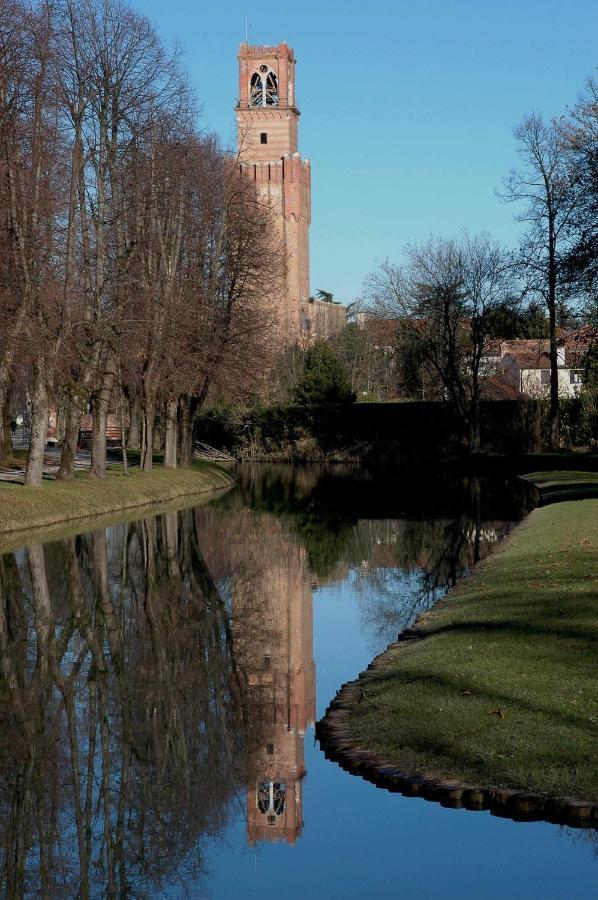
<point x="503" y="691"/>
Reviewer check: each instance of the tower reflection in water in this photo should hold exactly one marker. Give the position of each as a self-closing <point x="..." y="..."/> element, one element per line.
<point x="281" y="691"/>
<point x="272" y="626"/>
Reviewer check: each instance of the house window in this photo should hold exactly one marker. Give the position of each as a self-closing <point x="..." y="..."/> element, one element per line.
<point x="544" y="376"/>
<point x="263" y="138"/>
<point x="575" y="377"/>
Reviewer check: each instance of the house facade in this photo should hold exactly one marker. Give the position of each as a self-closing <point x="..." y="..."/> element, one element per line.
<point x="523" y="366"/>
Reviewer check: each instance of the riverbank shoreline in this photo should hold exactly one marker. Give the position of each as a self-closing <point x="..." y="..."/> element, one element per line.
<point x="27" y="513"/>
<point x="486" y="702"/>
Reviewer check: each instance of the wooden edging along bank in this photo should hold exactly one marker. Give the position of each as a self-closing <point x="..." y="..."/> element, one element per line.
<point x="339" y="744"/>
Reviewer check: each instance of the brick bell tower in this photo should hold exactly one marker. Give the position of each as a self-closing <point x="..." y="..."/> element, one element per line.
<point x="267" y="126"/>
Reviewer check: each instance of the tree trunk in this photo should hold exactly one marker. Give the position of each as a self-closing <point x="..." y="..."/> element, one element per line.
<point x="5" y="429"/>
<point x="475" y="439"/>
<point x="158" y="433"/>
<point x="187" y="411"/>
<point x="99" y="414"/>
<point x="101" y="402"/>
<point x="66" y="472"/>
<point x="147" y="449"/>
<point x="554" y="372"/>
<point x="170" y="524"/>
<point x="43" y="609"/>
<point x="123" y="443"/>
<point x="134" y="414"/>
<point x="72" y="429"/>
<point x="3" y="402"/>
<point x="170" y="435"/>
<point x="554" y="388"/>
<point x="40" y="406"/>
<point x="61" y="415"/>
<point x="5" y="399"/>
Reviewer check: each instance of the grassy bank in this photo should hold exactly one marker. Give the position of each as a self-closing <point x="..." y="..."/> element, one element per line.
<point x="560" y="484"/>
<point x="58" y="503"/>
<point x="502" y="691"/>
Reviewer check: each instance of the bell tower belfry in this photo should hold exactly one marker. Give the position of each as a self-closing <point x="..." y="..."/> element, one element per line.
<point x="267" y="127"/>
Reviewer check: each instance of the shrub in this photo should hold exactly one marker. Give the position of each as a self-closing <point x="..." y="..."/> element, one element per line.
<point x="324" y="380"/>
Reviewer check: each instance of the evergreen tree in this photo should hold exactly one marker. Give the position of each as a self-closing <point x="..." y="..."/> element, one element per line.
<point x="324" y="379"/>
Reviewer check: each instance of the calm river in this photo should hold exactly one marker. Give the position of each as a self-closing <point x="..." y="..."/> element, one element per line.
<point x="159" y="683"/>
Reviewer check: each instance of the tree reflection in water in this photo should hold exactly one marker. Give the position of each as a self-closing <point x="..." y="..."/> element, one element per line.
<point x="153" y="674"/>
<point x="122" y="724"/>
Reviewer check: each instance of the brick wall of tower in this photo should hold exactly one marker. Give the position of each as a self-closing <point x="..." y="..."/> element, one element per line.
<point x="283" y="178"/>
<point x="285" y="185"/>
<point x="279" y="128"/>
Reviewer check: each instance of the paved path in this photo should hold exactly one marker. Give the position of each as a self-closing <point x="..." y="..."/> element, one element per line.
<point x="16" y="472"/>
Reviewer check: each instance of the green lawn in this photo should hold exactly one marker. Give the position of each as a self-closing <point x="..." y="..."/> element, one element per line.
<point x="543" y="479"/>
<point x="58" y="503"/>
<point x="503" y="690"/>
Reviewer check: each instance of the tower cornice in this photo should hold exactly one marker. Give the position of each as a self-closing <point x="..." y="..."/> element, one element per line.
<point x="266" y="112"/>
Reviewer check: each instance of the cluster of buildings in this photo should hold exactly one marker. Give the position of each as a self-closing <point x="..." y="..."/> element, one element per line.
<point x="509" y="369"/>
<point x="521" y="368"/>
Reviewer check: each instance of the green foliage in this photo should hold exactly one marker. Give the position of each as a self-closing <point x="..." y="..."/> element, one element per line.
<point x="409" y="364"/>
<point x="325" y="296"/>
<point x="324" y="379"/>
<point x="511" y="323"/>
<point x="579" y="416"/>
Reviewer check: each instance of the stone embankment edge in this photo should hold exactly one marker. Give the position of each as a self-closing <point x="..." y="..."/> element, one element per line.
<point x="339" y="744"/>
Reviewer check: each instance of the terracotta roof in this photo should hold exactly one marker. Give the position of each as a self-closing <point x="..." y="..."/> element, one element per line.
<point x="534" y="346"/>
<point x="527" y="360"/>
<point x="528" y="354"/>
<point x="577" y="338"/>
<point x="382" y="330"/>
<point x="494" y="388"/>
<point x="537" y="357"/>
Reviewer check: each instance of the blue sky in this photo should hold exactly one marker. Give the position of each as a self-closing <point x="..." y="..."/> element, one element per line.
<point x="407" y="108"/>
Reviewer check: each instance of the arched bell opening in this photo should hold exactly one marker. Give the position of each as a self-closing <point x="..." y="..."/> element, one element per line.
<point x="263" y="88"/>
<point x="271" y="799"/>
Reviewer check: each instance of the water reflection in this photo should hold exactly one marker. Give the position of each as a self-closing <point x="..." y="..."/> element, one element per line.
<point x="156" y="674"/>
<point x="263" y="573"/>
<point x="119" y="711"/>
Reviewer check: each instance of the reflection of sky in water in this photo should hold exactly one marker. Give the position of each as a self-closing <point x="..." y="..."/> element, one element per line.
<point x="360" y="842"/>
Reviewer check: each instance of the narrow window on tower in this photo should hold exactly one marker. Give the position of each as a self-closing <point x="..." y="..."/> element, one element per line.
<point x="263" y="138"/>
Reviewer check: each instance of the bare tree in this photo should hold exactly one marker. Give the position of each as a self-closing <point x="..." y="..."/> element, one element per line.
<point x="445" y="300"/>
<point x="129" y="243"/>
<point x="238" y="261"/>
<point x="548" y="187"/>
<point x="115" y="75"/>
<point x="579" y="133"/>
<point x="29" y="148"/>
